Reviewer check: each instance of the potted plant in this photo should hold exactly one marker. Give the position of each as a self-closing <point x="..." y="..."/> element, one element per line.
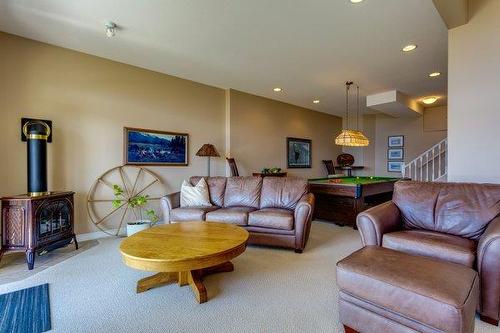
<point x="147" y="217"/>
<point x="271" y="170"/>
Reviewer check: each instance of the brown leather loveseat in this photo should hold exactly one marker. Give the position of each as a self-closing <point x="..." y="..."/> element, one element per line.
<point x="454" y="222"/>
<point x="276" y="211"/>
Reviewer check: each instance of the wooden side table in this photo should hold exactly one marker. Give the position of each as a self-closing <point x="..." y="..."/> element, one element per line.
<point x="349" y="168"/>
<point x="276" y="174"/>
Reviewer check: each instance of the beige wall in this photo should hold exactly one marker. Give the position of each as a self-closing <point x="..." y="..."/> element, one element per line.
<point x="418" y="138"/>
<point x="260" y="126"/>
<point x="436" y="119"/>
<point x="368" y="154"/>
<point x="90" y="100"/>
<point x="473" y="90"/>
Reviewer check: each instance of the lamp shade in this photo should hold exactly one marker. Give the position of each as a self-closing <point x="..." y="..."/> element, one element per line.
<point x="349" y="137"/>
<point x="208" y="150"/>
<point x="352" y="138"/>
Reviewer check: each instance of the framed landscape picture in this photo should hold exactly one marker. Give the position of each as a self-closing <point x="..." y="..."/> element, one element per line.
<point x="395" y="153"/>
<point x="394" y="166"/>
<point x="298" y="153"/>
<point x="150" y="147"/>
<point x="396" y="141"/>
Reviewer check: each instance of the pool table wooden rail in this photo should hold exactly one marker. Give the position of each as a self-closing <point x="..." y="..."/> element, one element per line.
<point x="341" y="203"/>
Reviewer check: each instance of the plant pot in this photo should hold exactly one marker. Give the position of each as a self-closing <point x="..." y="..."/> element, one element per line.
<point x="136" y="226"/>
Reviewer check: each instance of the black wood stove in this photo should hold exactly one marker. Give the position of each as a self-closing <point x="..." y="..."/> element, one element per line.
<point x="40" y="220"/>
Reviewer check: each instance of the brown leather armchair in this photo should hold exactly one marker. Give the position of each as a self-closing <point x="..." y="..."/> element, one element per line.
<point x="454" y="222"/>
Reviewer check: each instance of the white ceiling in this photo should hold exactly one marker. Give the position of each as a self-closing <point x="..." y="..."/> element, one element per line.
<point x="310" y="48"/>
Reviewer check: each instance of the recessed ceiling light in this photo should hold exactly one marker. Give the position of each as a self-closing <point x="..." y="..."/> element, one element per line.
<point x="409" y="47"/>
<point x="429" y="100"/>
<point x="434" y="74"/>
<point x="356" y="1"/>
<point x="316" y="101"/>
<point x="278" y="89"/>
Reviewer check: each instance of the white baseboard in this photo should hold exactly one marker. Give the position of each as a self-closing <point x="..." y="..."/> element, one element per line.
<point x="92" y="236"/>
<point x="99" y="234"/>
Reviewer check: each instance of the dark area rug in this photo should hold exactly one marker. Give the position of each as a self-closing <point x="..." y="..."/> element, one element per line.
<point x="26" y="310"/>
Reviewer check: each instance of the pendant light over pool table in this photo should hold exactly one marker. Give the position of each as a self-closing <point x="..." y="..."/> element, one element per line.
<point x="349" y="137"/>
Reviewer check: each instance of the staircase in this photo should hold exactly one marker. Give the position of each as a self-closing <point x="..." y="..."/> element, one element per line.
<point x="430" y="166"/>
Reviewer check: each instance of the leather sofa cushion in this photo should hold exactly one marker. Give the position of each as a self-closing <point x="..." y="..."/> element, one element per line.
<point x="190" y="213"/>
<point x="366" y="317"/>
<point x="275" y="218"/>
<point x="216" y="188"/>
<point x="269" y="231"/>
<point x="459" y="209"/>
<point x="233" y="215"/>
<point x="243" y="192"/>
<point x="432" y="244"/>
<point x="439" y="294"/>
<point x="282" y="192"/>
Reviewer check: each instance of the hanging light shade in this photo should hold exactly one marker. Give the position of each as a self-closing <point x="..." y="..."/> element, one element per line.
<point x="349" y="137"/>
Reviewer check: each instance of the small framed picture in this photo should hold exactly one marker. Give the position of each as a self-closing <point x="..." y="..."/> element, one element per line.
<point x="395" y="154"/>
<point x="396" y="141"/>
<point x="298" y="153"/>
<point x="394" y="166"/>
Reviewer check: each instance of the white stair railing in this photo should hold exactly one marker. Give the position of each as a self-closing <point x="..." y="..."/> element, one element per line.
<point x="429" y="166"/>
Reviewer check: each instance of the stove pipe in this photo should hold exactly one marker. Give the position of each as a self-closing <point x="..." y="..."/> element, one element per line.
<point x="37" y="132"/>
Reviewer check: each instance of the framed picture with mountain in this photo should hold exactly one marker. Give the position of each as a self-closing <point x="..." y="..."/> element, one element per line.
<point x="151" y="147"/>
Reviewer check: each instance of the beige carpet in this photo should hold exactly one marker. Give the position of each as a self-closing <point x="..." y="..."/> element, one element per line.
<point x="271" y="290"/>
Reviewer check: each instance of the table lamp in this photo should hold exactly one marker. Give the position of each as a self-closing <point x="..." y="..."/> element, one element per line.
<point x="208" y="150"/>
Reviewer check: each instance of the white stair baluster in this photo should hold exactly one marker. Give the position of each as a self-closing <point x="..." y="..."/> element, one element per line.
<point x="439" y="160"/>
<point x="421" y="168"/>
<point x="433" y="171"/>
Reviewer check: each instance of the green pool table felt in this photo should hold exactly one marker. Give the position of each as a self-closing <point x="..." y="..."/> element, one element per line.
<point x="353" y="181"/>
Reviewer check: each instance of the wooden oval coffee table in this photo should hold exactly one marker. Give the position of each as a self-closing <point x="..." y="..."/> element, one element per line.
<point x="184" y="253"/>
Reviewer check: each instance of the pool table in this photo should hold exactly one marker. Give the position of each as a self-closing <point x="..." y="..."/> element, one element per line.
<point x="341" y="199"/>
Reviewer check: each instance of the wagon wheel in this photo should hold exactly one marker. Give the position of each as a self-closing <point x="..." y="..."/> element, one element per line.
<point x="134" y="181"/>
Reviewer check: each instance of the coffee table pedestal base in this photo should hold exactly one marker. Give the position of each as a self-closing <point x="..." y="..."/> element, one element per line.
<point x="194" y="278"/>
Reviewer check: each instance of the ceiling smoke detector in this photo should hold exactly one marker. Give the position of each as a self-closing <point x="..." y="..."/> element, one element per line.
<point x="110" y="29"/>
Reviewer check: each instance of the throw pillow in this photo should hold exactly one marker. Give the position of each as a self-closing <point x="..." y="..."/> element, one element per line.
<point x="195" y="196"/>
